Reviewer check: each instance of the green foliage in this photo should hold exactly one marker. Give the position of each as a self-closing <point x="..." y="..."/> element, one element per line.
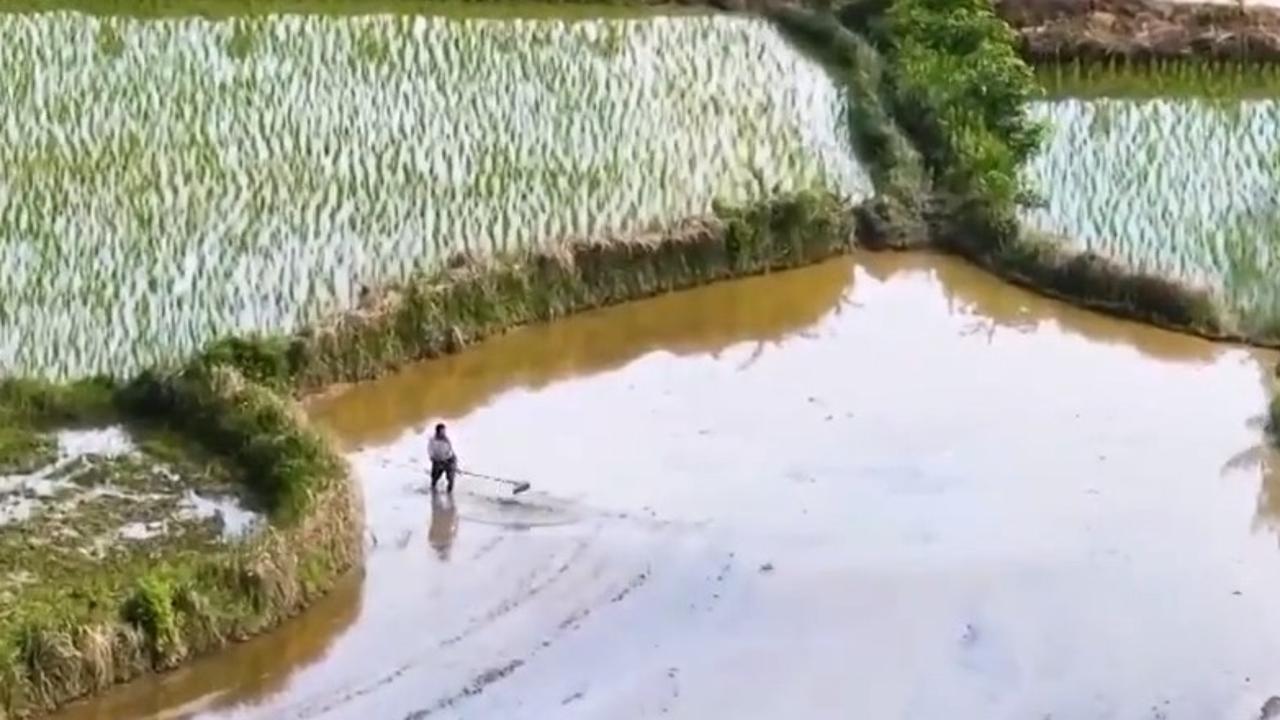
<point x="150" y="607"/>
<point x="28" y="407"/>
<point x="1104" y="284"/>
<point x="260" y="358"/>
<point x="785" y="232"/>
<point x="284" y="462"/>
<point x="46" y="403"/>
<point x="954" y="83"/>
<point x="958" y="86"/>
<point x="23" y="450"/>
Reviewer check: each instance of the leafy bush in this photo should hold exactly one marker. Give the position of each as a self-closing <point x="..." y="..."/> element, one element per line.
<point x="285" y="462"/>
<point x="151" y="609"/>
<point x="958" y="86"/>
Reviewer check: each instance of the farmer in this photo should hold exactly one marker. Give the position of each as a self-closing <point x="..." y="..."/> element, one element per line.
<point x="443" y="461"/>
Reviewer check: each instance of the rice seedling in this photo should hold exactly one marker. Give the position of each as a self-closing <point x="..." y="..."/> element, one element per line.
<point x="1180" y="184"/>
<point x="508" y="9"/>
<point x="165" y="182"/>
<point x="1228" y="80"/>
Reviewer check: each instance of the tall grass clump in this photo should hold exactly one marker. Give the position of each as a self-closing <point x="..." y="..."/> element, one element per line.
<point x="43" y="403"/>
<point x="30" y="408"/>
<point x="283" y="461"/>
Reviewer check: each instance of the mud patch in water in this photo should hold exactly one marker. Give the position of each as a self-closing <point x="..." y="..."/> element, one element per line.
<point x="105" y="499"/>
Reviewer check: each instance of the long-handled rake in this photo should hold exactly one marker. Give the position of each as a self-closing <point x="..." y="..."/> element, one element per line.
<point x="517" y="486"/>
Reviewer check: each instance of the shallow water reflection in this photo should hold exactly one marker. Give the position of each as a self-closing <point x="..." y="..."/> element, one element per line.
<point x="978" y="502"/>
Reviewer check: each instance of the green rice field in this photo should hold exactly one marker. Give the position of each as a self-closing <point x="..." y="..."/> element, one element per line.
<point x="167" y="180"/>
<point x="1172" y="172"/>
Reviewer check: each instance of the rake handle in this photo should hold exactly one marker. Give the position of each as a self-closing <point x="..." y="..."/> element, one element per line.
<point x="482" y="476"/>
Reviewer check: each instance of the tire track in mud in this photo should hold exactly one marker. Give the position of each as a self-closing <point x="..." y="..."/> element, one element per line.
<point x="544" y="576"/>
<point x="569" y="624"/>
<point x="488" y="547"/>
<point x="572" y="622"/>
<point x="531" y="589"/>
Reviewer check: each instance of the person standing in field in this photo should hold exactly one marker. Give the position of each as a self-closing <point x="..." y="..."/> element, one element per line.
<point x="443" y="460"/>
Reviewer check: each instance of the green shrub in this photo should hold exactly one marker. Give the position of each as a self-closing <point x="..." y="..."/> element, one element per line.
<point x="150" y="608"/>
<point x="283" y="460"/>
<point x="259" y="358"/>
<point x="24" y="450"/>
<point x="959" y="88"/>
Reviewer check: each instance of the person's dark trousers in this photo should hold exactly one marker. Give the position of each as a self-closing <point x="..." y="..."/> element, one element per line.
<point x="448" y="468"/>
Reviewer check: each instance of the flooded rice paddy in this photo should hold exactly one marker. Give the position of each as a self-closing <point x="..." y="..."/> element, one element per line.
<point x="163" y="181"/>
<point x="884" y="487"/>
<point x="1173" y="173"/>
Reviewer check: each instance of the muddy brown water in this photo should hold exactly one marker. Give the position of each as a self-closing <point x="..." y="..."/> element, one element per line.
<point x="884" y="487"/>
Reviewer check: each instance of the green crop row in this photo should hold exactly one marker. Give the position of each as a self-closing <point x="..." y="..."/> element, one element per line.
<point x="1180" y="187"/>
<point x="252" y="174"/>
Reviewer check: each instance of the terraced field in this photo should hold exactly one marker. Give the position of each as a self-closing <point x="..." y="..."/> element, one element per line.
<point x="1174" y="174"/>
<point x="163" y="181"/>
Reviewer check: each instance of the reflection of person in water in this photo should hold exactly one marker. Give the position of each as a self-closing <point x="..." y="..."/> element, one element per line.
<point x="444" y="524"/>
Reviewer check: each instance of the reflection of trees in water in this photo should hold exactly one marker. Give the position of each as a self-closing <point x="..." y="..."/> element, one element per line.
<point x="1262" y="457"/>
<point x="1265" y="458"/>
<point x="764" y="311"/>
<point x="993" y="305"/>
<point x="1268" y="512"/>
